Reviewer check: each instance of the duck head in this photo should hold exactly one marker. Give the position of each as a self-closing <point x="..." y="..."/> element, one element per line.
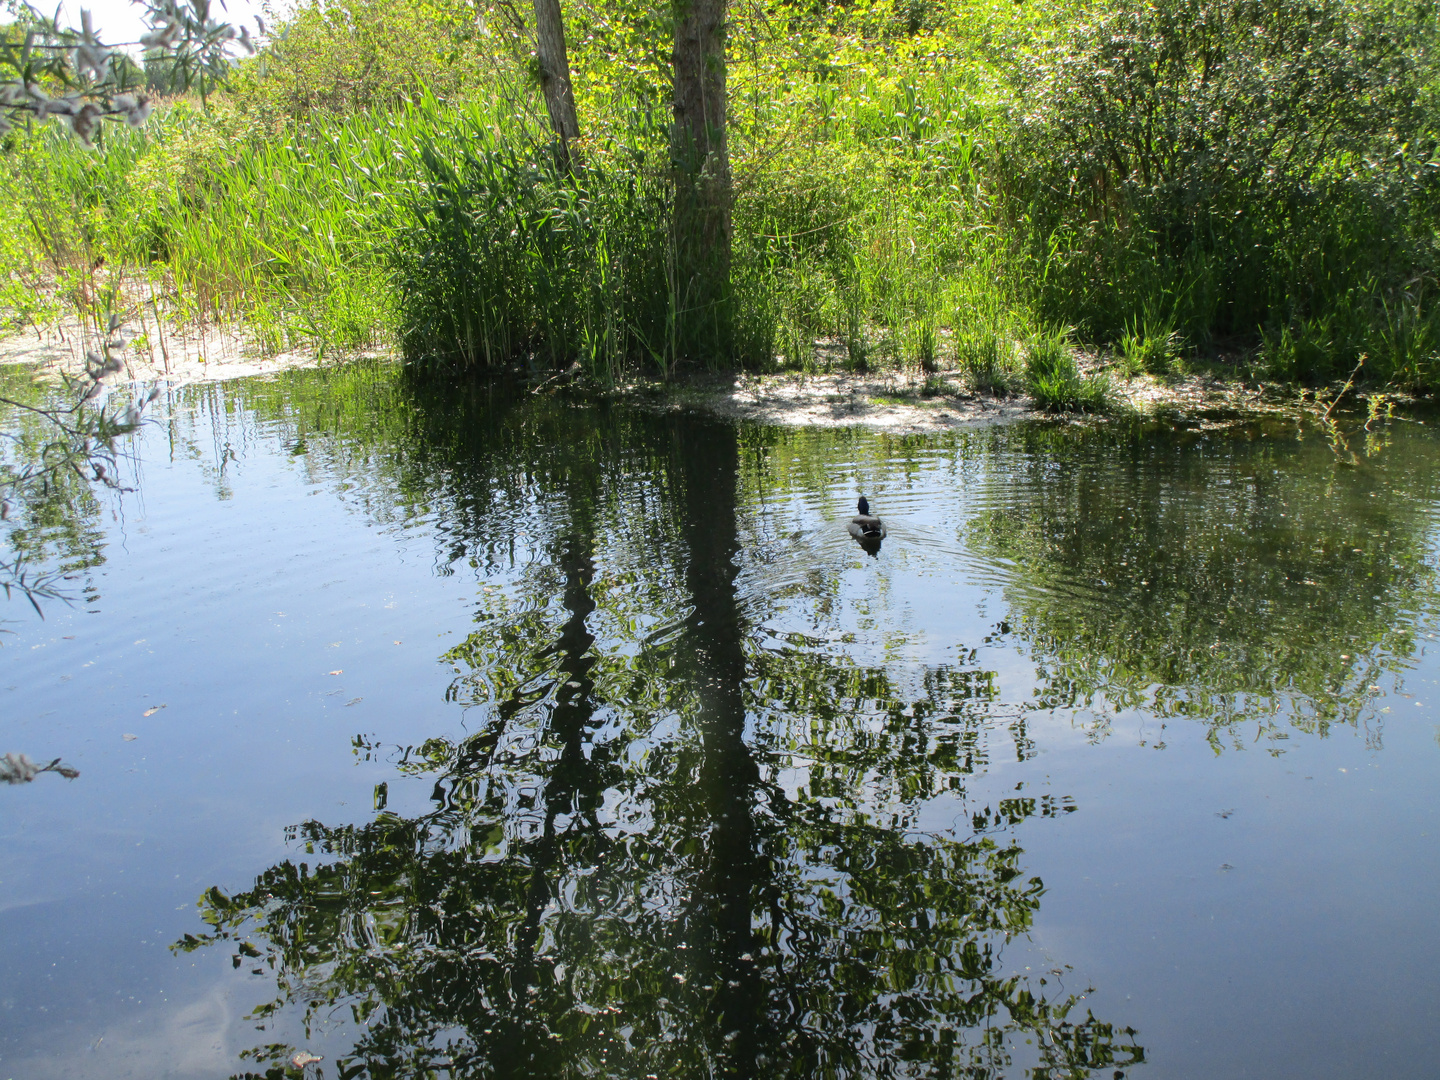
<point x="864" y="507"/>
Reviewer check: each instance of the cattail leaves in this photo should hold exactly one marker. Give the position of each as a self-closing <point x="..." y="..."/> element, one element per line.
<point x="506" y="257"/>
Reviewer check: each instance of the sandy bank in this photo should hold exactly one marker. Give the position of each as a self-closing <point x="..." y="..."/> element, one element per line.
<point x="174" y="357"/>
<point x="902" y="403"/>
<point x="894" y="401"/>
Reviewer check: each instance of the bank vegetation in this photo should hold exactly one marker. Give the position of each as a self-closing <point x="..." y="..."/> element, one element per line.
<point x="973" y="188"/>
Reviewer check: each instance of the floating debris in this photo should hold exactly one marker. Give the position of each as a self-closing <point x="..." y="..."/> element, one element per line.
<point x="19" y="769"/>
<point x="303" y="1058"/>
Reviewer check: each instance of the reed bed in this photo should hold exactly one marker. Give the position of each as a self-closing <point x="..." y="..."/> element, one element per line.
<point x="946" y="186"/>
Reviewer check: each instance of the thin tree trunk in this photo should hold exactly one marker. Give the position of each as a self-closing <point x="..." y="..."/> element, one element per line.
<point x="702" y="173"/>
<point x="555" y="77"/>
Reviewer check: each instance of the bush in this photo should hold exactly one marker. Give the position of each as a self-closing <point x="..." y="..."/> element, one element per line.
<point x="345" y="56"/>
<point x="1228" y="167"/>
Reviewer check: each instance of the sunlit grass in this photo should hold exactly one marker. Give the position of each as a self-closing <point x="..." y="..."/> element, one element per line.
<point x="900" y="200"/>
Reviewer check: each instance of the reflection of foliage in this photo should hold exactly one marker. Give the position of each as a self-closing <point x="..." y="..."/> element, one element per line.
<point x="666" y="847"/>
<point x="870" y="949"/>
<point x="861" y="735"/>
<point x="1249" y="577"/>
<point x="557" y="912"/>
<point x="53" y="454"/>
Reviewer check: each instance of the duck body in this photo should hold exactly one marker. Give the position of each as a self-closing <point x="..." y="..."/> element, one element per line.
<point x="864" y="526"/>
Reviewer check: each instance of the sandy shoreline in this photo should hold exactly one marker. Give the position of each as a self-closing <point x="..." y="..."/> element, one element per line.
<point x="893" y="401"/>
<point x="175" y="358"/>
<point x="898" y="401"/>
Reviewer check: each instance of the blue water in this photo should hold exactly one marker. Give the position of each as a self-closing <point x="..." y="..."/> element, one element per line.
<point x="605" y="750"/>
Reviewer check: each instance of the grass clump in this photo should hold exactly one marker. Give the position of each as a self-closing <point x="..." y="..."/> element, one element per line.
<point x="987" y="357"/>
<point x="1053" y="378"/>
<point x="1148" y="347"/>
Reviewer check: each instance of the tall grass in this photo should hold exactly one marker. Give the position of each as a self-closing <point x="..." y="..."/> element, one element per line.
<point x="941" y="186"/>
<point x="504" y="256"/>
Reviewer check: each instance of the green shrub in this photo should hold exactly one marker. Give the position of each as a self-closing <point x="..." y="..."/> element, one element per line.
<point x="1304" y="347"/>
<point x="1238" y="164"/>
<point x="918" y="185"/>
<point x="341" y="57"/>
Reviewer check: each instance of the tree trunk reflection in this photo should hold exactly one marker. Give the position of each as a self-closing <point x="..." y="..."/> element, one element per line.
<point x="612" y="878"/>
<point x="720" y="910"/>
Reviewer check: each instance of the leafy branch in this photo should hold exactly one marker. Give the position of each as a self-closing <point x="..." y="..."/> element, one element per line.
<point x="49" y="69"/>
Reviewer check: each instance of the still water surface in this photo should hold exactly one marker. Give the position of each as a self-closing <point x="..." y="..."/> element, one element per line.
<point x="461" y="735"/>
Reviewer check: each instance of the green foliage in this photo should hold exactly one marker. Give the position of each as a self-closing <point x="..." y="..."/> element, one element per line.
<point x="919" y="186"/>
<point x="287" y="236"/>
<point x="51" y="69"/>
<point x="506" y="256"/>
<point x="1148" y="346"/>
<point x="346" y="56"/>
<point x="1054" y="380"/>
<point x="1240" y="166"/>
<point x="986" y="357"/>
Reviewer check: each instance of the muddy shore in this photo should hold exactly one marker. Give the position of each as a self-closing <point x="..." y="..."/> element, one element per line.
<point x="908" y="403"/>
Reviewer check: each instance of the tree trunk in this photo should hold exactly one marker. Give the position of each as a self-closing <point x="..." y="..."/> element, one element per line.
<point x="702" y="177"/>
<point x="555" y="77"/>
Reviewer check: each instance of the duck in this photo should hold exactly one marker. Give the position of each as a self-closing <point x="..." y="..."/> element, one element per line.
<point x="863" y="526"/>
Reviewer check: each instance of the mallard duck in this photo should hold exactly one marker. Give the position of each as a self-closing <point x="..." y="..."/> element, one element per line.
<point x="863" y="526"/>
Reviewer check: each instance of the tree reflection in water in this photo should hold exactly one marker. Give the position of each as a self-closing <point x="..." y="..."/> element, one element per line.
<point x="620" y="874"/>
<point x="1243" y="578"/>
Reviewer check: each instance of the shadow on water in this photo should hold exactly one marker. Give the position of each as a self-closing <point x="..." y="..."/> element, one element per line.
<point x="619" y="873"/>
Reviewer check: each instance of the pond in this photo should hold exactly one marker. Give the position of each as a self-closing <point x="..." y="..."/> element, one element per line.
<point x="441" y="732"/>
